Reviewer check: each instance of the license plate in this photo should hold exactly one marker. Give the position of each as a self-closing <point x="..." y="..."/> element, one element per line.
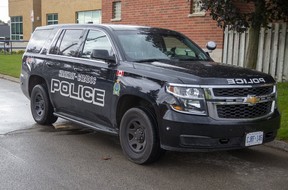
<point x="254" y="138"/>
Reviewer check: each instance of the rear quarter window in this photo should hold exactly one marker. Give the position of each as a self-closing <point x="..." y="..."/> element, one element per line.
<point x="38" y="40"/>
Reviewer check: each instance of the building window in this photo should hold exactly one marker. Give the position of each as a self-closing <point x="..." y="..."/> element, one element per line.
<point x="195" y="8"/>
<point x="52" y="19"/>
<point x="16" y="28"/>
<point x="88" y="17"/>
<point x="116" y="12"/>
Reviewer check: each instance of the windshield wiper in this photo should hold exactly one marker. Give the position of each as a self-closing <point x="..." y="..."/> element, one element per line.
<point x="150" y="60"/>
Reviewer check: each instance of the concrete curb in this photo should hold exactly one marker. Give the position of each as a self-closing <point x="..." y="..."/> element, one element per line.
<point x="281" y="145"/>
<point x="13" y="79"/>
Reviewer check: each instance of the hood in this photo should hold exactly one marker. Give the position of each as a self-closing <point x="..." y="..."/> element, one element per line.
<point x="206" y="72"/>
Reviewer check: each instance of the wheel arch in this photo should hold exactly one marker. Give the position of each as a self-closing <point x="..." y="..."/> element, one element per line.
<point x="127" y="102"/>
<point x="33" y="81"/>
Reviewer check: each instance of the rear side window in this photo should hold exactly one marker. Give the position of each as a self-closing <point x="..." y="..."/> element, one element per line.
<point x="67" y="43"/>
<point x="38" y="40"/>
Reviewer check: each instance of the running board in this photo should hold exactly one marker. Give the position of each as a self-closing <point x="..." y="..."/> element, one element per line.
<point x="95" y="126"/>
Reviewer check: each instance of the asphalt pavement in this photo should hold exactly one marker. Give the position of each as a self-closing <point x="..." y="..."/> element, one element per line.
<point x="69" y="156"/>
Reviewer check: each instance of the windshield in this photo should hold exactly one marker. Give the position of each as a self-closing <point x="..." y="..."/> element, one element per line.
<point x="159" y="45"/>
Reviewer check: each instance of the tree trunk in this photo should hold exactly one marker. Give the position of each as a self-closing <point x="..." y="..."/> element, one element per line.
<point x="252" y="48"/>
<point x="254" y="32"/>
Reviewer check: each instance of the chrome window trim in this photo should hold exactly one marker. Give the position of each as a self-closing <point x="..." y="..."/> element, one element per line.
<point x="80" y="58"/>
<point x="77" y="58"/>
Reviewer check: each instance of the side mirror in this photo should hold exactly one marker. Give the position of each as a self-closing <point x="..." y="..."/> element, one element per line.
<point x="102" y="54"/>
<point x="211" y="46"/>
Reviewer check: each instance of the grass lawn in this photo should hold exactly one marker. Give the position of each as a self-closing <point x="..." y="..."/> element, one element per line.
<point x="283" y="106"/>
<point x="11" y="65"/>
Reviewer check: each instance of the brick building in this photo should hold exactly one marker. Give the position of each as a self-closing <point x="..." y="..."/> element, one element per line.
<point x="45" y="12"/>
<point x="184" y="16"/>
<point x="20" y="15"/>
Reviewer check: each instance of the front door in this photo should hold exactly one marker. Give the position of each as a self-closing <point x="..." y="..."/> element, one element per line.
<point x="95" y="81"/>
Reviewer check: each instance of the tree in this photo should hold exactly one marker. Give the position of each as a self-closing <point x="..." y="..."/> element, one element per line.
<point x="240" y="15"/>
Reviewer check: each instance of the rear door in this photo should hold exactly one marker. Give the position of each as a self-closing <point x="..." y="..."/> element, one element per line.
<point x="60" y="73"/>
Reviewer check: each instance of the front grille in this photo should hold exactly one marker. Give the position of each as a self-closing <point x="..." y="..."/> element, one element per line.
<point x="242" y="111"/>
<point x="242" y="92"/>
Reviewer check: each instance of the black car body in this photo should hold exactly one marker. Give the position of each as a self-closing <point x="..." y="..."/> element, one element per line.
<point x="153" y="87"/>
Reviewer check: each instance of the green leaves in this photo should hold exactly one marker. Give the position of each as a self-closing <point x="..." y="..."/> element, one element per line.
<point x="242" y="14"/>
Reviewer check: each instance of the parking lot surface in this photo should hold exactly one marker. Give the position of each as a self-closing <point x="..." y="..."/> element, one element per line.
<point x="69" y="156"/>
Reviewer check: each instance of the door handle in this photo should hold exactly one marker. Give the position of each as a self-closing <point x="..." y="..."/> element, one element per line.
<point x="82" y="70"/>
<point x="78" y="69"/>
<point x="49" y="64"/>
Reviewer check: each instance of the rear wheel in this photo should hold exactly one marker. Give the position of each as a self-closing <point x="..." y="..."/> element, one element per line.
<point x="41" y="107"/>
<point x="138" y="136"/>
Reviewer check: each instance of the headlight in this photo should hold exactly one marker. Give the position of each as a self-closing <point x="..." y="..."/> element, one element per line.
<point x="191" y="99"/>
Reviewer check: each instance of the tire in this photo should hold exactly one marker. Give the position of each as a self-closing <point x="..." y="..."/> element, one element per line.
<point x="41" y="107"/>
<point x="138" y="137"/>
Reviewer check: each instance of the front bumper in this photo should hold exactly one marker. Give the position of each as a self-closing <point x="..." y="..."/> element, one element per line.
<point x="182" y="132"/>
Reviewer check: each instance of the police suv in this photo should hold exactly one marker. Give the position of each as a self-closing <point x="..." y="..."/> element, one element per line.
<point x="154" y="88"/>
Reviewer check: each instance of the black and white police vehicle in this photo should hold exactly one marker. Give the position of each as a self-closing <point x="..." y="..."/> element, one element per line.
<point x="154" y="88"/>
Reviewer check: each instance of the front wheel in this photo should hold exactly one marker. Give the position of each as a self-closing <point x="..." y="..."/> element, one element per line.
<point x="41" y="107"/>
<point x="138" y="136"/>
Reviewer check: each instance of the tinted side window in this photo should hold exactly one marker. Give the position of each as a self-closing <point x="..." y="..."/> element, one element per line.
<point x="48" y="41"/>
<point x="67" y="43"/>
<point x="96" y="40"/>
<point x="38" y="40"/>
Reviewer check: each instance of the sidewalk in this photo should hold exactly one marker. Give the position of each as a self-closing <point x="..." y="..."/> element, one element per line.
<point x="281" y="145"/>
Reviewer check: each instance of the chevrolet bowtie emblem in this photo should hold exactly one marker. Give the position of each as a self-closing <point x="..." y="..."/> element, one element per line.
<point x="251" y="100"/>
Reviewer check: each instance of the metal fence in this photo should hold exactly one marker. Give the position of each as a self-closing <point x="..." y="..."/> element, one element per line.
<point x="272" y="53"/>
<point x="8" y="46"/>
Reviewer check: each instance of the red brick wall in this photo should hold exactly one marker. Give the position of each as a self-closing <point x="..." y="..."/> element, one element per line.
<point x="171" y="14"/>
